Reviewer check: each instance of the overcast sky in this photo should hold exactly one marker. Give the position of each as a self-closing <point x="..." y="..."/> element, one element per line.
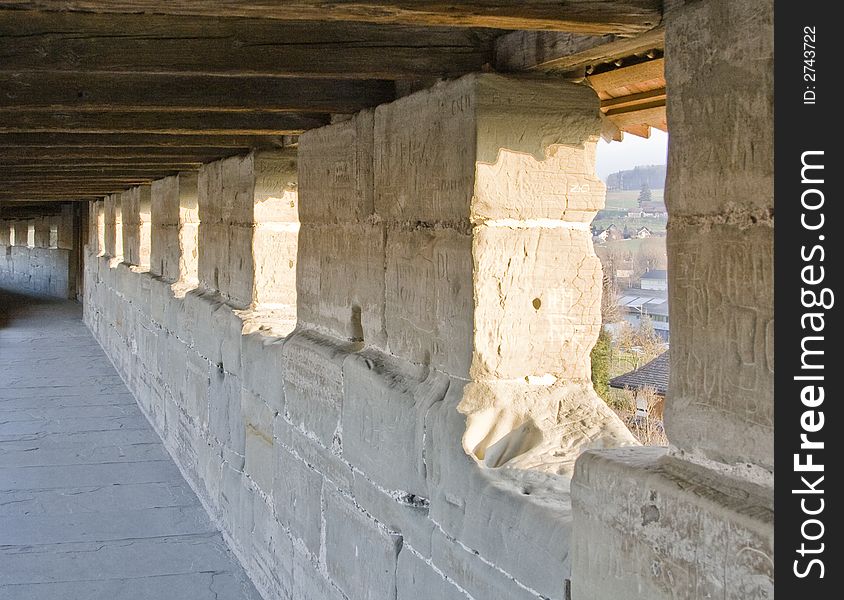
<point x="632" y="152"/>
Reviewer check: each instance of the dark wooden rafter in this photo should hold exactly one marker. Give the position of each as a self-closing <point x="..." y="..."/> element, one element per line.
<point x="554" y="52"/>
<point x="101" y="95"/>
<point x="139" y="141"/>
<point x="92" y="43"/>
<point x="165" y="122"/>
<point x="584" y="16"/>
<point x="139" y="92"/>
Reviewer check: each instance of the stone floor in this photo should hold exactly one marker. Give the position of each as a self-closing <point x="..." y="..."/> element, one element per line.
<point x="91" y="505"/>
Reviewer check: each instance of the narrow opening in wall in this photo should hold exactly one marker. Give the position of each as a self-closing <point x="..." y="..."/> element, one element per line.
<point x="11" y="235"/>
<point x="630" y="362"/>
<point x="30" y="236"/>
<point x="54" y="236"/>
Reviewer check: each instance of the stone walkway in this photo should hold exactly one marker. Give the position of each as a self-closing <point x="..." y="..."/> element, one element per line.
<point x="91" y="505"/>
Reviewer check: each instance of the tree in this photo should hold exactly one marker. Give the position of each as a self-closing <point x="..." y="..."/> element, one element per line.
<point x="645" y="193"/>
<point x="610" y="310"/>
<point x="601" y="358"/>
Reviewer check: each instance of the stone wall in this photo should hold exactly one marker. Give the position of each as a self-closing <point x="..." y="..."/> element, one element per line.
<point x="39" y="269"/>
<point x="436" y="383"/>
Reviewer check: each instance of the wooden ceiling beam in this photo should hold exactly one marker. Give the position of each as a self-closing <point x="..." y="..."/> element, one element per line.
<point x="587" y="16"/>
<point x="554" y="52"/>
<point x="166" y="45"/>
<point x="136" y="141"/>
<point x="22" y="155"/>
<point x="179" y="123"/>
<point x="646" y="71"/>
<point x="140" y="92"/>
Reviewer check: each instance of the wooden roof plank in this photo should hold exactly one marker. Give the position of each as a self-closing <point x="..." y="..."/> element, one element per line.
<point x="88" y="43"/>
<point x="589" y="16"/>
<point x="142" y="92"/>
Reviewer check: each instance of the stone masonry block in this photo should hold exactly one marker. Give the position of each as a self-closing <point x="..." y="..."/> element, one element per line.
<point x="336" y="171"/>
<point x="276" y="175"/>
<point x="466" y="497"/>
<point x="403" y="513"/>
<point x="325" y="461"/>
<point x="164" y="231"/>
<point x="224" y="415"/>
<point x="429" y="297"/>
<point x="537" y="302"/>
<point x="113" y="233"/>
<point x="666" y="529"/>
<point x="260" y="451"/>
<point x="297" y="496"/>
<point x="416" y="579"/>
<point x="313" y="383"/>
<point x="136" y="206"/>
<point x="716" y="167"/>
<point x="340" y="280"/>
<point x="384" y="411"/>
<point x="422" y="175"/>
<point x="274" y="250"/>
<point x="360" y="556"/>
<point x="262" y="370"/>
<point x="722" y="375"/>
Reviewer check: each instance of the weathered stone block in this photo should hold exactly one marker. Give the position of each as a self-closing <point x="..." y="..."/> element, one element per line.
<point x="262" y="367"/>
<point x="297" y="496"/>
<point x="309" y="581"/>
<point x="422" y="175"/>
<point x="113" y="232"/>
<point x="403" y="513"/>
<point x="336" y="171"/>
<point x="135" y="210"/>
<point x="537" y="302"/>
<point x="665" y="529"/>
<point x="384" y="410"/>
<point x="274" y="254"/>
<point x="313" y="383"/>
<point x="722" y="374"/>
<point x="416" y="579"/>
<point x="325" y="461"/>
<point x="475" y="575"/>
<point x="260" y="452"/>
<point x="360" y="555"/>
<point x="225" y="422"/>
<point x="164" y="231"/>
<point x="340" y="280"/>
<point x="429" y="297"/>
<point x="716" y="167"/>
<point x="466" y="497"/>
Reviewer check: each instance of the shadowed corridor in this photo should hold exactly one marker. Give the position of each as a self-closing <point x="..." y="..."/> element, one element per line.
<point x="91" y="505"/>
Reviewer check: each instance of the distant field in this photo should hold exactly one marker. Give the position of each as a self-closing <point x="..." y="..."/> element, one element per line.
<point x="627" y="198"/>
<point x="634" y="245"/>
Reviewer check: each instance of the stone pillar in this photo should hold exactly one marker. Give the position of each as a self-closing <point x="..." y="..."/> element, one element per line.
<point x="340" y="275"/>
<point x="175" y="222"/>
<point x="136" y="204"/>
<point x="5" y="233"/>
<point x="21" y="233"/>
<point x="96" y="227"/>
<point x="248" y="210"/>
<point x="470" y="255"/>
<point x="65" y="228"/>
<point x="698" y="522"/>
<point x="42" y="232"/>
<point x="30" y="233"/>
<point x="487" y="187"/>
<point x="113" y="227"/>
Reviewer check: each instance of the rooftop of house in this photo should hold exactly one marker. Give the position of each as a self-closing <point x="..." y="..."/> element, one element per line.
<point x="653" y="375"/>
